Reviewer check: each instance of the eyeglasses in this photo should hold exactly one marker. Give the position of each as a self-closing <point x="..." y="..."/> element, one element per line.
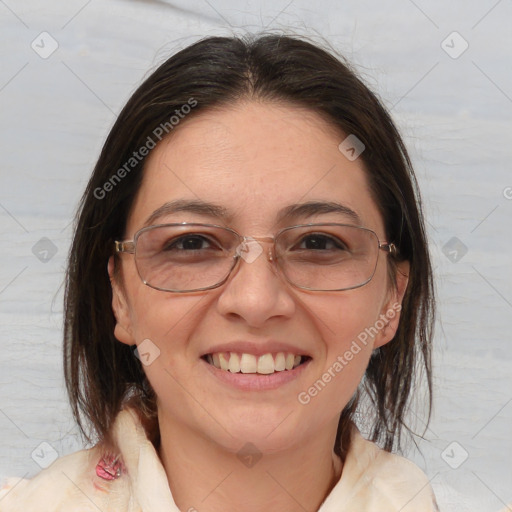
<point x="190" y="257"/>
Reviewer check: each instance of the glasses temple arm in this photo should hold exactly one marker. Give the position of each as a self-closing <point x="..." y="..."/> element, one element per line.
<point x="389" y="248"/>
<point x="128" y="247"/>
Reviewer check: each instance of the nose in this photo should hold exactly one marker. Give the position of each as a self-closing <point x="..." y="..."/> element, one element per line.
<point x="255" y="292"/>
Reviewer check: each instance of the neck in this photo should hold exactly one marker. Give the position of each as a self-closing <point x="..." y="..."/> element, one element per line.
<point x="206" y="477"/>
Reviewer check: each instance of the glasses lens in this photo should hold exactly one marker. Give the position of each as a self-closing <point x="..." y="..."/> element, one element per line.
<point x="184" y="257"/>
<point x="327" y="257"/>
<point x="188" y="257"/>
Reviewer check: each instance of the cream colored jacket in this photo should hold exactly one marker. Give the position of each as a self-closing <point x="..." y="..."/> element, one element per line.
<point x="372" y="480"/>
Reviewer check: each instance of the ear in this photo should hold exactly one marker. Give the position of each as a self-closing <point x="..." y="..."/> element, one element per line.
<point x="122" y="330"/>
<point x="390" y="313"/>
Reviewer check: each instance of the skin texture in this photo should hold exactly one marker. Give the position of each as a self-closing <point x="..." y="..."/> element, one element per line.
<point x="252" y="158"/>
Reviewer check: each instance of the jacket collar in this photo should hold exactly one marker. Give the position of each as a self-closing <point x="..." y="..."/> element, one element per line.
<point x="372" y="480"/>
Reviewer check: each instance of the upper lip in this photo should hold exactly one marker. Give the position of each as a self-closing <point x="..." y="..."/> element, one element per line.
<point x="256" y="348"/>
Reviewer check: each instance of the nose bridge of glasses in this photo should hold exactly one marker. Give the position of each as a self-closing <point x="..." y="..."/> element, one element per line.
<point x="252" y="246"/>
<point x="261" y="239"/>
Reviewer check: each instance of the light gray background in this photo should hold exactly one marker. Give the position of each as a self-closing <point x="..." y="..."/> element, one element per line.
<point x="455" y="114"/>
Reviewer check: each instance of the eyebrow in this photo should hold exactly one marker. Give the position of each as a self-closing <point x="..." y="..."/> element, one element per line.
<point x="311" y="208"/>
<point x="190" y="206"/>
<point x="288" y="213"/>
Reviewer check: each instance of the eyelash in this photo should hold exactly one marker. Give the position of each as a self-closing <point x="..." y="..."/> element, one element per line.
<point x="324" y="237"/>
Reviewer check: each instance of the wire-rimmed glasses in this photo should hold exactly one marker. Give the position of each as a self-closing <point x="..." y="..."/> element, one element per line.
<point x="189" y="257"/>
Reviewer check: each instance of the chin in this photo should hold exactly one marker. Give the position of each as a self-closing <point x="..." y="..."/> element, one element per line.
<point x="269" y="429"/>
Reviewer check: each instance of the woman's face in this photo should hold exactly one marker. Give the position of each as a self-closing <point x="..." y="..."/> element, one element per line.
<point x="253" y="160"/>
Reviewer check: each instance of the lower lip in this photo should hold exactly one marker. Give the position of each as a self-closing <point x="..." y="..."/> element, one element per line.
<point x="255" y="381"/>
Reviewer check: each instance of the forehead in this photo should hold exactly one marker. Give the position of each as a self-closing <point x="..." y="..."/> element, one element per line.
<point x="253" y="159"/>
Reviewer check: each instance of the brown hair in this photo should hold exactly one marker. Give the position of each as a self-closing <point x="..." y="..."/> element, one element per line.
<point x="101" y="373"/>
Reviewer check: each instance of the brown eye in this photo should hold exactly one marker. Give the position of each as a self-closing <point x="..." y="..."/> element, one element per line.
<point x="321" y="242"/>
<point x="188" y="243"/>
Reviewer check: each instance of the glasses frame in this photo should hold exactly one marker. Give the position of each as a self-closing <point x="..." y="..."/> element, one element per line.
<point x="130" y="247"/>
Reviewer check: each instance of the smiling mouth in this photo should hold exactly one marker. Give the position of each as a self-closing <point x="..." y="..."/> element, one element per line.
<point x="265" y="364"/>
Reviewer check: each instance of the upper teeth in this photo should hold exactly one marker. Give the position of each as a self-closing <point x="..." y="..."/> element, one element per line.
<point x="249" y="363"/>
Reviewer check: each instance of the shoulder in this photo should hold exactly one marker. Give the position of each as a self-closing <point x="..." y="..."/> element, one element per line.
<point x="384" y="482"/>
<point x="83" y="480"/>
<point x="402" y="483"/>
<point x="97" y="478"/>
<point x="74" y="480"/>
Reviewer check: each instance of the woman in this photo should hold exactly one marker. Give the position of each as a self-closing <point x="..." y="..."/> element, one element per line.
<point x="249" y="272"/>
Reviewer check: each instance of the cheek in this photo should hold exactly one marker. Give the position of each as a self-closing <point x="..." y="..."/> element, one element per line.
<point x="161" y="323"/>
<point x="165" y="318"/>
<point x="153" y="313"/>
<point x="347" y="317"/>
<point x="347" y="324"/>
<point x="163" y="326"/>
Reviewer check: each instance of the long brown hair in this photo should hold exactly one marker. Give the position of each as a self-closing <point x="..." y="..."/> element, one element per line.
<point x="101" y="373"/>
